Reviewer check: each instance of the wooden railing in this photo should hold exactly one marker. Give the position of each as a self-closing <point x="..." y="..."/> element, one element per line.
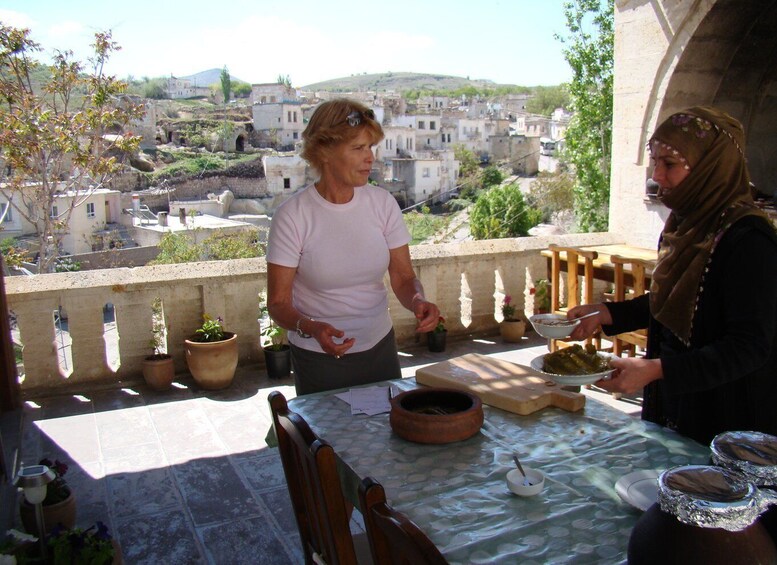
<point x="467" y="281"/>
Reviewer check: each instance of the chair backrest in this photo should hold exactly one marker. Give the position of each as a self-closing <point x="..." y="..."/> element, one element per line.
<point x="394" y="538"/>
<point x="631" y="278"/>
<point x="572" y="257"/>
<point x="314" y="487"/>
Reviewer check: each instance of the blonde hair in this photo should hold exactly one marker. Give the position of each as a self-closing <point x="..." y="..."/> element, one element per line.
<point x="329" y="126"/>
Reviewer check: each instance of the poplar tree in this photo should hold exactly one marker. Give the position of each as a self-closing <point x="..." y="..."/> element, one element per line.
<point x="588" y="139"/>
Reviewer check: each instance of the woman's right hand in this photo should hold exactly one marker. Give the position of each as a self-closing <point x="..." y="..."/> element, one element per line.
<point x="325" y="334"/>
<point x="587" y="327"/>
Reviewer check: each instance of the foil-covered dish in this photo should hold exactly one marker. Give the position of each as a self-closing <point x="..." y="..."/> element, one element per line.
<point x="711" y="497"/>
<point x="754" y="454"/>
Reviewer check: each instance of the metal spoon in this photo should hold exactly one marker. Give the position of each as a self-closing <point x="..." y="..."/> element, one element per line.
<point x="526" y="482"/>
<point x="583" y="316"/>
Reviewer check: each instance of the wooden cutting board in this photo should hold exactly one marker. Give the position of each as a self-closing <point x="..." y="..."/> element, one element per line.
<point x="499" y="383"/>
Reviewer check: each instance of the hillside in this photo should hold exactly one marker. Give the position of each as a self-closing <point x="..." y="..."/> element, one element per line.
<point x="398" y="82"/>
<point x="211" y="76"/>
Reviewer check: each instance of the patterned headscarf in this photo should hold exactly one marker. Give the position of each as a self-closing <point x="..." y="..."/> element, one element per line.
<point x="715" y="194"/>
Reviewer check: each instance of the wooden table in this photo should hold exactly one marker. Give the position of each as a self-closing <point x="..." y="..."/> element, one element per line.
<point x="458" y="495"/>
<point x="604" y="269"/>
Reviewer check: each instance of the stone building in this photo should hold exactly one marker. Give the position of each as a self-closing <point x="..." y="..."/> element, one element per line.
<point x="670" y="55"/>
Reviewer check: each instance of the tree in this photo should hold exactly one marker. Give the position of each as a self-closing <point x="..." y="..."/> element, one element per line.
<point x="545" y="99"/>
<point x="588" y="139"/>
<point x="219" y="246"/>
<point x="226" y="84"/>
<point x="552" y="193"/>
<point x="54" y="133"/>
<point x="469" y="171"/>
<point x="502" y="212"/>
<point x="241" y="89"/>
<point x="284" y="80"/>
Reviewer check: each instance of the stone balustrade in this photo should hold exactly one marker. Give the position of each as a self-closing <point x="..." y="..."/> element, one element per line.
<point x="467" y="281"/>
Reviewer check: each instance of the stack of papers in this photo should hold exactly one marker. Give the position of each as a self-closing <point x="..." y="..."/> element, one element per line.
<point x="370" y="400"/>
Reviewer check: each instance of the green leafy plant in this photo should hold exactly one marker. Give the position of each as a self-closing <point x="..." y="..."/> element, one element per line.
<point x="273" y="335"/>
<point x="440" y="327"/>
<point x="508" y="309"/>
<point x="92" y="545"/>
<point x="210" y="331"/>
<point x="502" y="212"/>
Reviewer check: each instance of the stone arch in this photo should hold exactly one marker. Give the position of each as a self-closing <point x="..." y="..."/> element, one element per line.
<point x="671" y="55"/>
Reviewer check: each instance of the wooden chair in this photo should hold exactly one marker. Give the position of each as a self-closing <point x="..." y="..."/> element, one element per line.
<point x="314" y="486"/>
<point x="394" y="538"/>
<point x="573" y="295"/>
<point x="631" y="276"/>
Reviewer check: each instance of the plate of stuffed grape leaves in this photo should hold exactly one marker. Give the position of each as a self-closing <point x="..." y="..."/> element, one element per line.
<point x="575" y="365"/>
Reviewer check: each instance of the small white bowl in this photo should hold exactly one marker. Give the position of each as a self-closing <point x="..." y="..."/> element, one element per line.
<point x="516" y="485"/>
<point x="553" y="330"/>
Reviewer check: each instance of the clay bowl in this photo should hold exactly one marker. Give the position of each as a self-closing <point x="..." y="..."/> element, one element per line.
<point x="436" y="415"/>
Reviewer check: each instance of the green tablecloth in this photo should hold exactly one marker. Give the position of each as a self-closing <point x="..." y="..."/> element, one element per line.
<point x="458" y="495"/>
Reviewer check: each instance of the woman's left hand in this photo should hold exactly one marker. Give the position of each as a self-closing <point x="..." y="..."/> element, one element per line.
<point x="631" y="374"/>
<point x="427" y="314"/>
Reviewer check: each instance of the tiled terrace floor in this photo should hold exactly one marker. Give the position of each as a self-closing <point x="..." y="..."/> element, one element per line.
<point x="185" y="476"/>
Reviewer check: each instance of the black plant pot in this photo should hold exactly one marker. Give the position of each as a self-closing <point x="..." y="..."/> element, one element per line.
<point x="436" y="341"/>
<point x="278" y="362"/>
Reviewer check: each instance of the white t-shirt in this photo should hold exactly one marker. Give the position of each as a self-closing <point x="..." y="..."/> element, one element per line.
<point x="341" y="253"/>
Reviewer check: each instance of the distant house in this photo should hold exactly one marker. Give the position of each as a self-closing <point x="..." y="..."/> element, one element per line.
<point x="176" y="88"/>
<point x="280" y="121"/>
<point x="272" y="93"/>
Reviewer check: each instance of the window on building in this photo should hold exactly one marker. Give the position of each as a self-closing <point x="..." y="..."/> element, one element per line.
<point x="421" y="124"/>
<point x="90" y="210"/>
<point x="425" y="172"/>
<point x="6" y="209"/>
<point x="295" y="117"/>
<point x="295" y="135"/>
<point x="54" y="212"/>
<point x="443" y="138"/>
<point x="286" y="182"/>
<point x="288" y="116"/>
<point x="432" y="125"/>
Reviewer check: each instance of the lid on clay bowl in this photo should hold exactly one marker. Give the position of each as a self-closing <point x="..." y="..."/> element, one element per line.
<point x="754" y="454"/>
<point x="710" y="497"/>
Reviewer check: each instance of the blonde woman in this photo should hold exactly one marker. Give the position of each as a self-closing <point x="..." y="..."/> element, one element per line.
<point x="330" y="247"/>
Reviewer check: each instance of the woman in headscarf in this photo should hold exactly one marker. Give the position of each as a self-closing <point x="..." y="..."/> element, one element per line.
<point x="711" y="313"/>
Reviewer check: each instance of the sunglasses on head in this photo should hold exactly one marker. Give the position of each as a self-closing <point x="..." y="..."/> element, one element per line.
<point x="356" y="117"/>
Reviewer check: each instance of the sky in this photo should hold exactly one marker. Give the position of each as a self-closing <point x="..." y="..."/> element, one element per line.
<point x="505" y="41"/>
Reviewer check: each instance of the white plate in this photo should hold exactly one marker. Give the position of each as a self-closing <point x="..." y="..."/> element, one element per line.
<point x="640" y="488"/>
<point x="575" y="380"/>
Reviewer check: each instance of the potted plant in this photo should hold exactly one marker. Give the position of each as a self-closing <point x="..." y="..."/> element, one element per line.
<point x="93" y="545"/>
<point x="512" y="328"/>
<point x="64" y="546"/>
<point x="59" y="506"/>
<point x="277" y="353"/>
<point x="211" y="354"/>
<point x="435" y="339"/>
<point x="158" y="368"/>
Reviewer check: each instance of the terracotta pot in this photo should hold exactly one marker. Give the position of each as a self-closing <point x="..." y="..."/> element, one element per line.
<point x="512" y="331"/>
<point x="659" y="537"/>
<point x="436" y="415"/>
<point x="212" y="364"/>
<point x="63" y="512"/>
<point x="278" y="362"/>
<point x="436" y="340"/>
<point x="159" y="371"/>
